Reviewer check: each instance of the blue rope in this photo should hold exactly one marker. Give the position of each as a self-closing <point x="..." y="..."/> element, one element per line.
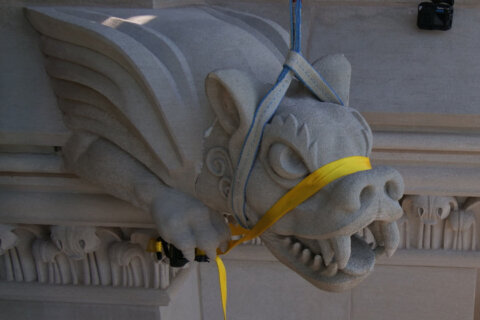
<point x="295" y="45"/>
<point x="280" y="78"/>
<point x="246" y="159"/>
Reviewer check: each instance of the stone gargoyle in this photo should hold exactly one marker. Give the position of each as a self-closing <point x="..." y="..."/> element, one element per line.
<point x="159" y="103"/>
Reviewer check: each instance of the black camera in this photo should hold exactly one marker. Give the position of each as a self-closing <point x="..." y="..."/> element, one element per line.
<point x="435" y="15"/>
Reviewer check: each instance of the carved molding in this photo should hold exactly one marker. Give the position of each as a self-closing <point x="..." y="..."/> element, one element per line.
<point x="432" y="222"/>
<point x="85" y="256"/>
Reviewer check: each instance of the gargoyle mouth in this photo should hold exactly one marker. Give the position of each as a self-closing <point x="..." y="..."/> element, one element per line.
<point x="337" y="263"/>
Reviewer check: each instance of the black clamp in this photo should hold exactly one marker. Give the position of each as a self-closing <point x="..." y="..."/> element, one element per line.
<point x="175" y="256"/>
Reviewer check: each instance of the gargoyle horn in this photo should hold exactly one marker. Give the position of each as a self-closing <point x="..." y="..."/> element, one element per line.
<point x="337" y="71"/>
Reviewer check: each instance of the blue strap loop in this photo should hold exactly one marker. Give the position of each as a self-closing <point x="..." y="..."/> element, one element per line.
<point x="311" y="78"/>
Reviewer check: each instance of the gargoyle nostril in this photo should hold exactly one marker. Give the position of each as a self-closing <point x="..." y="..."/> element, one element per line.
<point x="367" y="194"/>
<point x="393" y="190"/>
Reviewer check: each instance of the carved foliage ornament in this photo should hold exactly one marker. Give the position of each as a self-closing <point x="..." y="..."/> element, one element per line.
<point x="159" y="113"/>
<point x="81" y="256"/>
<point x="434" y="222"/>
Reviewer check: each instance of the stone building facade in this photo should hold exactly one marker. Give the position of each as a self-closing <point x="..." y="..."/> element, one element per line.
<point x="69" y="250"/>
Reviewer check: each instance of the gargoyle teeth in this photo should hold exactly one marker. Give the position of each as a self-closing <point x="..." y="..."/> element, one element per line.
<point x="317" y="263"/>
<point x="306" y="255"/>
<point x="366" y="235"/>
<point x="327" y="251"/>
<point x="391" y="237"/>
<point x="382" y="236"/>
<point x="342" y="247"/>
<point x="296" y="248"/>
<point x="345" y="253"/>
<point x="377" y="233"/>
<point x="331" y="270"/>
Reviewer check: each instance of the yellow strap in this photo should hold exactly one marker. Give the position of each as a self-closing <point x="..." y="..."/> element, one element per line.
<point x="301" y="192"/>
<point x="154" y="245"/>
<point x="298" y="194"/>
<point x="222" y="277"/>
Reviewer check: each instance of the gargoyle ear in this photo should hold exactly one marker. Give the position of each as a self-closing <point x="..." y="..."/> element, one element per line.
<point x="234" y="96"/>
<point x="337" y="71"/>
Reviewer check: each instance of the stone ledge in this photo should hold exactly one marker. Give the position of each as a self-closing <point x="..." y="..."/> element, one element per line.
<point x="57" y="208"/>
<point x="82" y="294"/>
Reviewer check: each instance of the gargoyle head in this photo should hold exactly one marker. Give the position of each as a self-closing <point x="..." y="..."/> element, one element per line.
<point x="318" y="238"/>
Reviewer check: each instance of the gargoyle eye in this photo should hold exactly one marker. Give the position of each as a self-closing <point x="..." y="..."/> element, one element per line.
<point x="285" y="162"/>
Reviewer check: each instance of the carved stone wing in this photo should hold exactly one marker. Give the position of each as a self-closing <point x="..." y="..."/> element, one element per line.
<point x="109" y="83"/>
<point x="136" y="77"/>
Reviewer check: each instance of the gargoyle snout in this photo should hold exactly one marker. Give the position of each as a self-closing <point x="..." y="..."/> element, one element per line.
<point x="381" y="187"/>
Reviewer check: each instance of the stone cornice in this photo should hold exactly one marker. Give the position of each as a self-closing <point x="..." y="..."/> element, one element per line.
<point x="435" y="231"/>
<point x="82" y="294"/>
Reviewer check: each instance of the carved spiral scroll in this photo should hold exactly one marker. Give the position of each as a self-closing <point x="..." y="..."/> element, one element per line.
<point x="219" y="164"/>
